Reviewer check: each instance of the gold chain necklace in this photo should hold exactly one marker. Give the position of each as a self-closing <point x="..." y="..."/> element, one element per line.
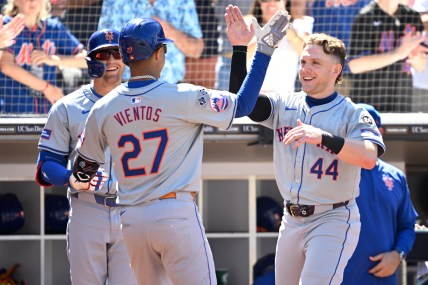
<point x="143" y="77"/>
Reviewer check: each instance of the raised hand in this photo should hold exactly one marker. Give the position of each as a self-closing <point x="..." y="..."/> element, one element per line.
<point x="9" y="31"/>
<point x="272" y="33"/>
<point x="238" y="32"/>
<point x="39" y="57"/>
<point x="410" y="44"/>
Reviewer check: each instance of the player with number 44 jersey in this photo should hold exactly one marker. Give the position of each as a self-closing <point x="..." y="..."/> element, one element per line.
<point x="321" y="142"/>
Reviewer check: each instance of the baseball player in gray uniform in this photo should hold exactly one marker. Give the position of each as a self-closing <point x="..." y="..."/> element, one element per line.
<point x="155" y="133"/>
<point x="95" y="246"/>
<point x="321" y="141"/>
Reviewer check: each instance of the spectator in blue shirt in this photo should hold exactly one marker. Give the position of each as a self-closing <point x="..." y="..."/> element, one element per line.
<point x="29" y="67"/>
<point x="179" y="20"/>
<point x="387" y="223"/>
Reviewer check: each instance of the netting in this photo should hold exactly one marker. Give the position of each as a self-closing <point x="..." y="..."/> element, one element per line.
<point x="384" y="67"/>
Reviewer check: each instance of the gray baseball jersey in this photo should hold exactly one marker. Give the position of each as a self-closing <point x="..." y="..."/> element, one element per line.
<point x="90" y="227"/>
<point x="312" y="174"/>
<point x="64" y="126"/>
<point x="155" y="135"/>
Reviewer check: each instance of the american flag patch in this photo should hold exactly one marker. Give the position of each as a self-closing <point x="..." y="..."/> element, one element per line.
<point x="46" y="134"/>
<point x="136" y="100"/>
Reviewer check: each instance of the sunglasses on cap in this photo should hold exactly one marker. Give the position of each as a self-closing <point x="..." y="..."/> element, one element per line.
<point x="105" y="54"/>
<point x="268" y="1"/>
<point x="164" y="48"/>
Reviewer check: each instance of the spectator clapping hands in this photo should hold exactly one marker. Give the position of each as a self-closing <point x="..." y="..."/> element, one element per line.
<point x="9" y="31"/>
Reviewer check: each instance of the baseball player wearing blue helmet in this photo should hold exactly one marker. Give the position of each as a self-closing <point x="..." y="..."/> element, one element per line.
<point x="139" y="38"/>
<point x="95" y="246"/>
<point x="155" y="133"/>
<point x="321" y="142"/>
<point x="107" y="40"/>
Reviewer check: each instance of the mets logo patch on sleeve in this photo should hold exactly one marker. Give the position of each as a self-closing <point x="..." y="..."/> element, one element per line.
<point x="219" y="102"/>
<point x="46" y="134"/>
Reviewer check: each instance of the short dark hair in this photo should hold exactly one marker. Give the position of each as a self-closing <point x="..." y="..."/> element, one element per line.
<point x="330" y="45"/>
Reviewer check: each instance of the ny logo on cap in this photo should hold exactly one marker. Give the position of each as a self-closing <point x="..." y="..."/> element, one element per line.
<point x="109" y="36"/>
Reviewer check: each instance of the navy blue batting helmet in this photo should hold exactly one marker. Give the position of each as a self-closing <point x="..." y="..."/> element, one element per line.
<point x="139" y="38"/>
<point x="105" y="38"/>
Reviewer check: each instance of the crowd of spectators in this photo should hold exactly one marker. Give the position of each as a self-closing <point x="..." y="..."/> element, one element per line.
<point x="386" y="42"/>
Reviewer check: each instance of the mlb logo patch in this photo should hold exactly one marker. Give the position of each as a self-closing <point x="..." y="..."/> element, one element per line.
<point x="46" y="134"/>
<point x="218" y="102"/>
<point x="136" y="100"/>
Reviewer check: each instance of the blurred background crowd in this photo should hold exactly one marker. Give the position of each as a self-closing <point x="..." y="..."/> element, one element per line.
<point x="385" y="39"/>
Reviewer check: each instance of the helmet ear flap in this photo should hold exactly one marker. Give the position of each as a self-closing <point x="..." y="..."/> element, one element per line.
<point x="96" y="69"/>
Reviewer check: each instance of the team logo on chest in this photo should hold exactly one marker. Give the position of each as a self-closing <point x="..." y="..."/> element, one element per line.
<point x="24" y="55"/>
<point x="389" y="183"/>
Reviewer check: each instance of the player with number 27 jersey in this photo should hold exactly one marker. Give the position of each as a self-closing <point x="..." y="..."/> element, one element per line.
<point x="169" y="136"/>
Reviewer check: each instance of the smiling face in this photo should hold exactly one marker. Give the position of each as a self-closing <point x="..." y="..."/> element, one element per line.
<point x="114" y="65"/>
<point x="318" y="71"/>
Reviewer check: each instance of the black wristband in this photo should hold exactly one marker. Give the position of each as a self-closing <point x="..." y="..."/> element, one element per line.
<point x="240" y="49"/>
<point x="333" y="143"/>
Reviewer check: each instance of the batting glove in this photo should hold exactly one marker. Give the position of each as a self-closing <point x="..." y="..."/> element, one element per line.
<point x="82" y="181"/>
<point x="272" y="33"/>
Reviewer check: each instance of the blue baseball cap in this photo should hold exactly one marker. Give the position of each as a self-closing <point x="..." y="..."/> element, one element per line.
<point x="373" y="112"/>
<point x="103" y="39"/>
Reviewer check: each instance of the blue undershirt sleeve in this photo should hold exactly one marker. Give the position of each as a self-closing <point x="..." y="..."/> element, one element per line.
<point x="55" y="174"/>
<point x="250" y="89"/>
<point x="53" y="169"/>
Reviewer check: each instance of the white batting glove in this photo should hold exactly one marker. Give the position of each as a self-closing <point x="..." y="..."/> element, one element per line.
<point x="272" y="33"/>
<point x="84" y="182"/>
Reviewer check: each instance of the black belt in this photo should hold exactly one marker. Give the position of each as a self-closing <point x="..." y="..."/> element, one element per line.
<point x="297" y="210"/>
<point x="107" y="201"/>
